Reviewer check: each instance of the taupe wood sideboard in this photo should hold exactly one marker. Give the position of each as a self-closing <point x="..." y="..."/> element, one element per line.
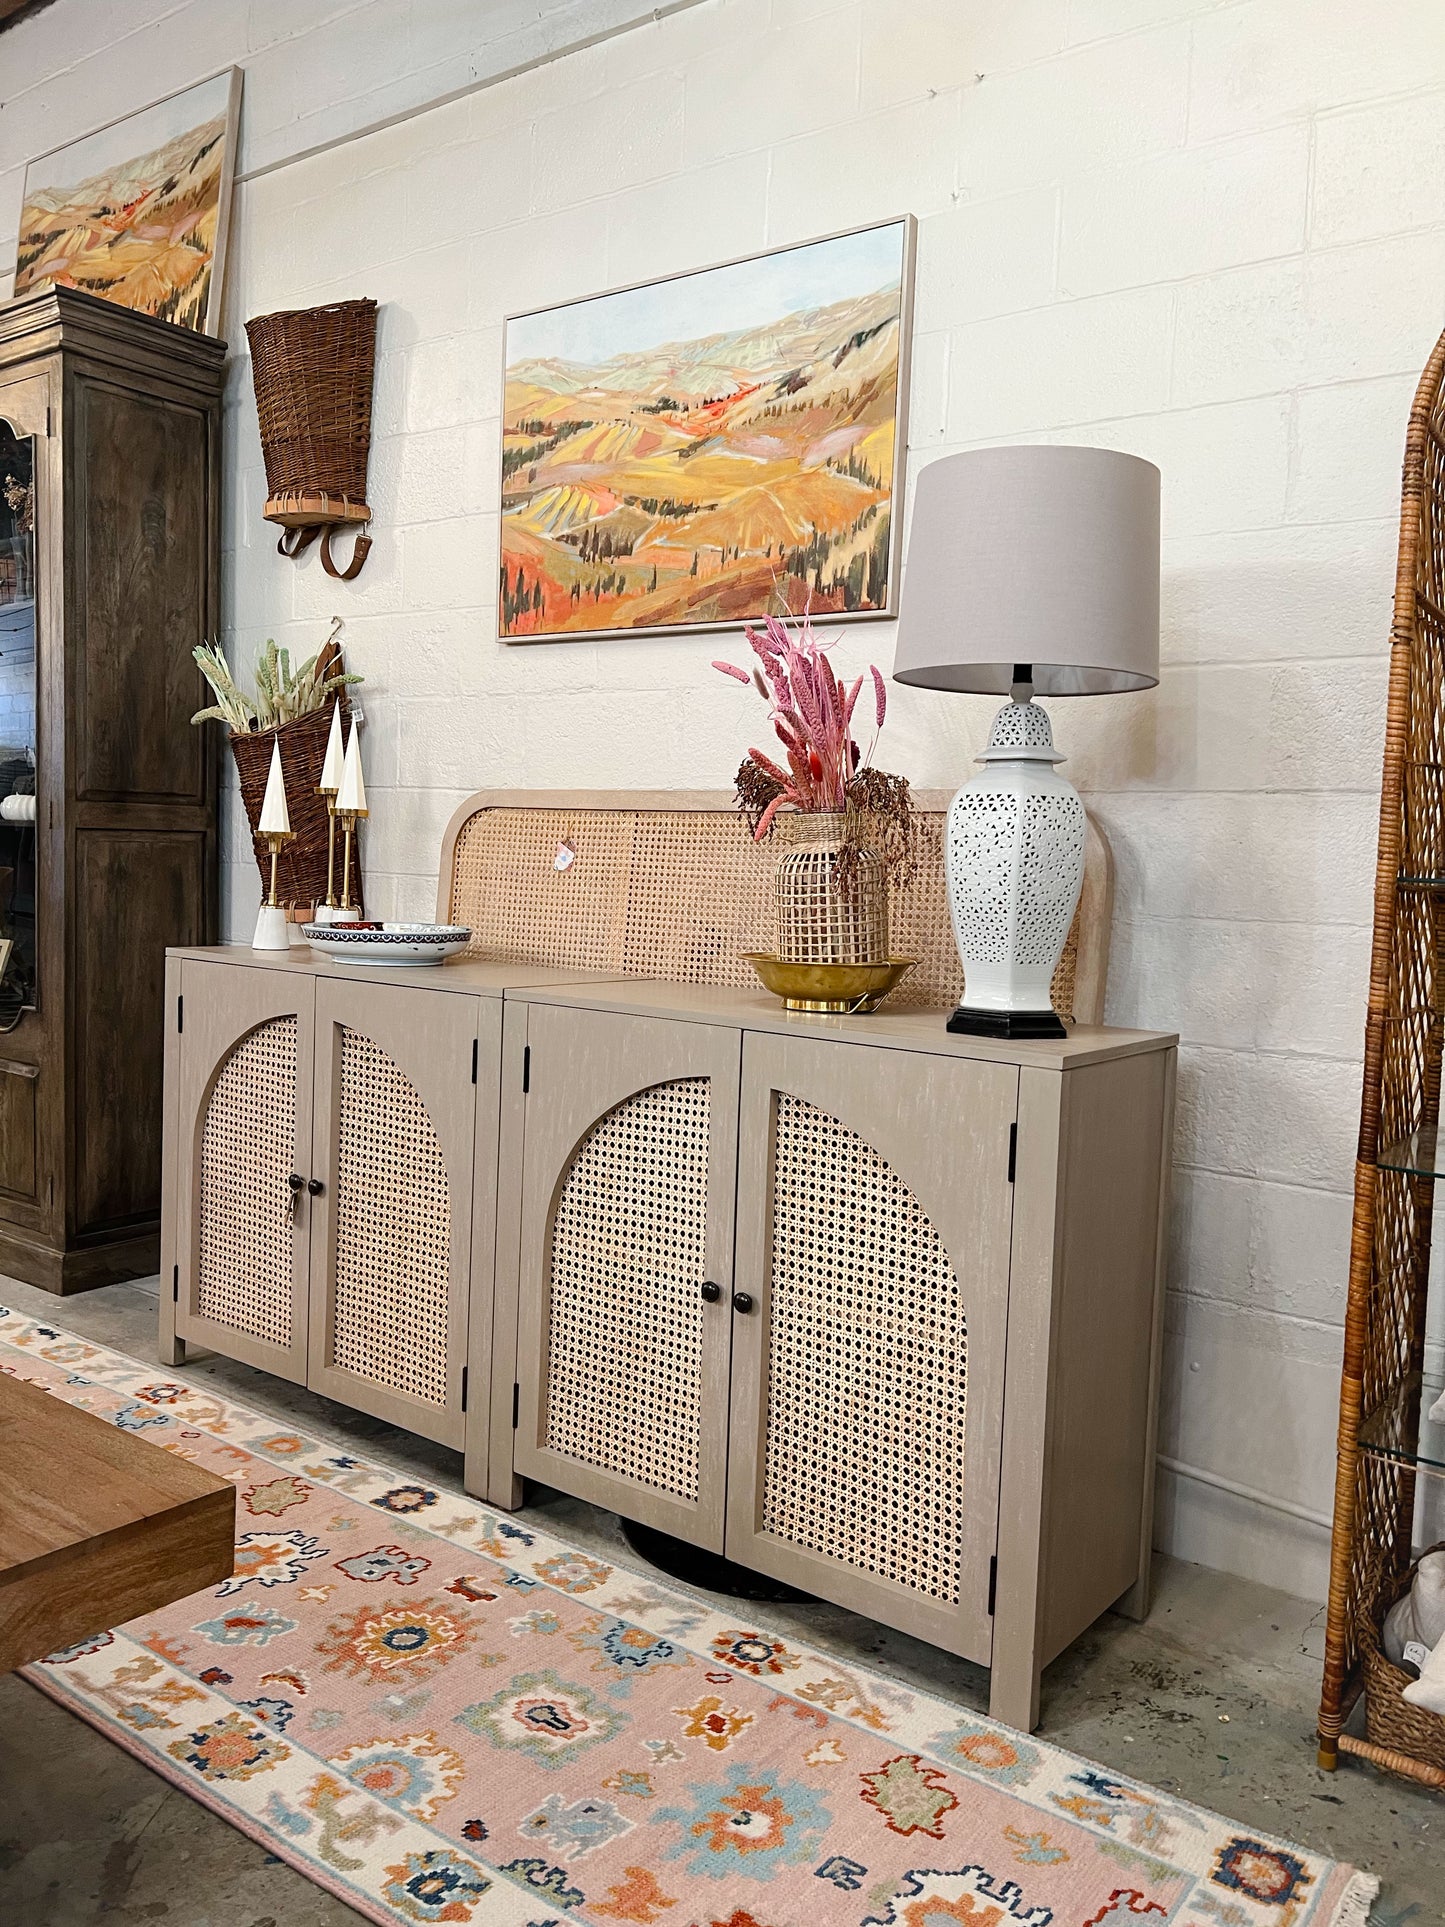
<point x="868" y="1307"/>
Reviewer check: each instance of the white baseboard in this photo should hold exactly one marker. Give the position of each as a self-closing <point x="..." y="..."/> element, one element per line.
<point x="1235" y="1533"/>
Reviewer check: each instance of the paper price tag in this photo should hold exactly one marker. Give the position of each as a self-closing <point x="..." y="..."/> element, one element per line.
<point x="566" y="854"/>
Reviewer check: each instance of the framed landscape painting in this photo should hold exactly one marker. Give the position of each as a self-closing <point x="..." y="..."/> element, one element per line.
<point x="692" y="453"/>
<point x="137" y="212"/>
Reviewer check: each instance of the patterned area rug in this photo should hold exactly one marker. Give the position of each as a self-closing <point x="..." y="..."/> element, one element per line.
<point x="441" y="1716"/>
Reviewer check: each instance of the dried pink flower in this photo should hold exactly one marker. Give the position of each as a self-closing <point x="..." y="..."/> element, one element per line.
<point x="811" y="713"/>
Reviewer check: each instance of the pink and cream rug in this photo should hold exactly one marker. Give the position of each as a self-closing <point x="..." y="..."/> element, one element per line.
<point x="441" y="1715"/>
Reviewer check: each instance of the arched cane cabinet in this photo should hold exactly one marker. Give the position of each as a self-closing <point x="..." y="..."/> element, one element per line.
<point x="323" y="1225"/>
<point x="861" y="1305"/>
<point x="824" y="1402"/>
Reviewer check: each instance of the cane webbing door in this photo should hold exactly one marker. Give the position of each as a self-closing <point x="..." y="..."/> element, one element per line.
<point x="629" y="1165"/>
<point x="395" y="1122"/>
<point x="874" y="1213"/>
<point x="244" y="1130"/>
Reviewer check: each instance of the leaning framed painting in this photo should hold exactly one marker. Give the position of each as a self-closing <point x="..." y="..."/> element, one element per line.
<point x="137" y="212"/>
<point x="691" y="453"/>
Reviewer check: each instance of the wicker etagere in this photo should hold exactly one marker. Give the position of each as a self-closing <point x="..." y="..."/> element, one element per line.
<point x="1397" y="1161"/>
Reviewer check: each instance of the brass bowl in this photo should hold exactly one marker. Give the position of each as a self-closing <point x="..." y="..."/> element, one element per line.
<point x="845" y="989"/>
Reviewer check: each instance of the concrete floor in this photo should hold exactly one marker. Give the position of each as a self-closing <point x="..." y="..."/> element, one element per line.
<point x="1213" y="1698"/>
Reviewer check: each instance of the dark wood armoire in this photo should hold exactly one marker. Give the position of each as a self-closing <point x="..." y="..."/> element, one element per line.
<point x="110" y="437"/>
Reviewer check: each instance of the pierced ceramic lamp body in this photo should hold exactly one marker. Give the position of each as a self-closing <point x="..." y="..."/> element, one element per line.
<point x="1033" y="568"/>
<point x="1014" y="859"/>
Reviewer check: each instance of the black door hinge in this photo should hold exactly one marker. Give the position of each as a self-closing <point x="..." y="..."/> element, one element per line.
<point x="180" y="1015"/>
<point x="1013" y="1150"/>
<point x="175" y="1284"/>
<point x="474" y="1060"/>
<point x="465" y="1370"/>
<point x="516" y="1404"/>
<point x="526" y="1068"/>
<point x="992" y="1584"/>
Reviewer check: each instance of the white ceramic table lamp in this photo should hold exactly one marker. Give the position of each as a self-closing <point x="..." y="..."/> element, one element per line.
<point x="1029" y="570"/>
<point x="275" y="826"/>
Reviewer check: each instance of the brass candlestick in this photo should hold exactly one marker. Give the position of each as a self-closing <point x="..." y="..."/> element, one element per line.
<point x="275" y="839"/>
<point x="349" y="820"/>
<point x="330" y="796"/>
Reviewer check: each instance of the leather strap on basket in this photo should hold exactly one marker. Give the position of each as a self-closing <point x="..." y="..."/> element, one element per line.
<point x="296" y="541"/>
<point x="359" y="554"/>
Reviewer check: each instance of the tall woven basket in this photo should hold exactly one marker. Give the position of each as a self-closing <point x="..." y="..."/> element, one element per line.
<point x="313" y="370"/>
<point x="301" y="866"/>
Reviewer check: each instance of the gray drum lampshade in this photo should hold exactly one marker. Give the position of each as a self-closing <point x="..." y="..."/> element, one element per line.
<point x="1041" y="555"/>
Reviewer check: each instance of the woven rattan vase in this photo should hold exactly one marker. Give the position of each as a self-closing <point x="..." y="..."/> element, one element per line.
<point x="818" y="920"/>
<point x="301" y="865"/>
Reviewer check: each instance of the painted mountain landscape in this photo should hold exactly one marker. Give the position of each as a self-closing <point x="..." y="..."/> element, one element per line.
<point x="708" y="448"/>
<point x="135" y="227"/>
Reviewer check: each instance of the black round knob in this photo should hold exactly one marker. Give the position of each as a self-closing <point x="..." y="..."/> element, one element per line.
<point x="315" y="1187"/>
<point x="742" y="1301"/>
<point x="710" y="1291"/>
<point x="296" y="1181"/>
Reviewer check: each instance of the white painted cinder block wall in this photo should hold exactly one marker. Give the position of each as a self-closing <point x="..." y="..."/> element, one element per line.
<point x="1213" y="234"/>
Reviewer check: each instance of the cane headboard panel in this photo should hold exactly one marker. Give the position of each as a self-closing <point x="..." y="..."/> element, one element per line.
<point x="668" y="884"/>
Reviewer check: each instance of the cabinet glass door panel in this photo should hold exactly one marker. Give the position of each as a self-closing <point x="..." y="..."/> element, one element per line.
<point x="628" y="1171"/>
<point x="874" y="1217"/>
<point x="391" y="1213"/>
<point x="245" y="1116"/>
<point x="19" y="735"/>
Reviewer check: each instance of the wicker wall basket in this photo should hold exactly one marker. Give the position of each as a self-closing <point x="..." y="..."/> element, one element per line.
<point x="1391" y="1721"/>
<point x="818" y="921"/>
<point x="313" y="370"/>
<point x="301" y="866"/>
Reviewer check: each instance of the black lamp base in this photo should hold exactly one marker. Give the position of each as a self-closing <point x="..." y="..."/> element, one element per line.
<point x="1006" y="1023"/>
<point x="707" y="1570"/>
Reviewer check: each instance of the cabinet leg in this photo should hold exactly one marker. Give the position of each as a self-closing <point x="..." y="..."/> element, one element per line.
<point x="1013" y="1696"/>
<point x="1136" y="1603"/>
<point x="507" y="1494"/>
<point x="172" y="1350"/>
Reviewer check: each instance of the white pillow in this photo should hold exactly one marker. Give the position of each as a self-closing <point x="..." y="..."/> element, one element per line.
<point x="1419" y="1618"/>
<point x="1429" y="1689"/>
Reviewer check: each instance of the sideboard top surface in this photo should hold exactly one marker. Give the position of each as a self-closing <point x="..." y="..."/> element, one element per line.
<point x="472" y="975"/>
<point x="918" y="1030"/>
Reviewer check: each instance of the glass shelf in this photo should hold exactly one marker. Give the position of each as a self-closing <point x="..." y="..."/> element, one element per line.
<point x="1428" y="885"/>
<point x="1419" y="1154"/>
<point x="18" y="742"/>
<point x="1388" y="1434"/>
